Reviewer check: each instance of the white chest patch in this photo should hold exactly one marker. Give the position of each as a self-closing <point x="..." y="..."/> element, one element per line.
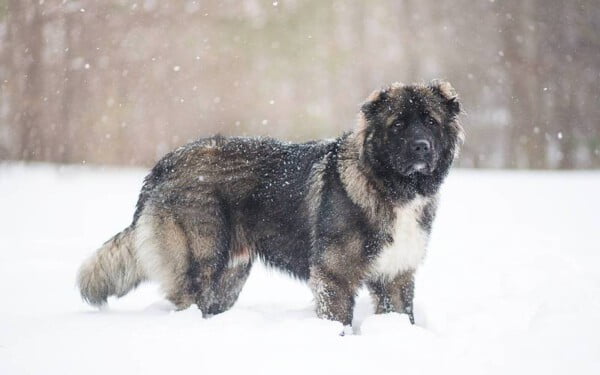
<point x="409" y="242"/>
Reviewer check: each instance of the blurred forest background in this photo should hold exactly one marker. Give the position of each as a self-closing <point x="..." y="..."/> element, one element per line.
<point x="124" y="81"/>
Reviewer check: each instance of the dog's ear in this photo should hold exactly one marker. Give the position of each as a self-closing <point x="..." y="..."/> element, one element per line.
<point x="374" y="101"/>
<point x="449" y="97"/>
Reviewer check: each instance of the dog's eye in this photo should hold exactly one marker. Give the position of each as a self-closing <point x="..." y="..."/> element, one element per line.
<point x="396" y="127"/>
<point x="431" y="121"/>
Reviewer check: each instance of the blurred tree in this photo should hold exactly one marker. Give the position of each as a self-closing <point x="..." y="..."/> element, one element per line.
<point x="124" y="81"/>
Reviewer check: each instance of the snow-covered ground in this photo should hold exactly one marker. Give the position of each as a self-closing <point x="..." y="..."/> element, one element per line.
<point x="511" y="284"/>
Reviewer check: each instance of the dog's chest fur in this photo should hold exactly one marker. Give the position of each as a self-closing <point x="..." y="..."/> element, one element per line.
<point x="407" y="249"/>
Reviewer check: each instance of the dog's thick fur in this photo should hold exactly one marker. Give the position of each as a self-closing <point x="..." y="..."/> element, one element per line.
<point x="339" y="214"/>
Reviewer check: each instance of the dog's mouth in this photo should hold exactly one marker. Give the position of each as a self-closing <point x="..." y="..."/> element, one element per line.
<point x="419" y="167"/>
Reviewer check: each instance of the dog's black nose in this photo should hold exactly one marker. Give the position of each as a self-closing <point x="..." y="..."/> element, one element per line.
<point x="421" y="146"/>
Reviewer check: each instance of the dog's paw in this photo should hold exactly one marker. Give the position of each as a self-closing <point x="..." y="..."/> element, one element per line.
<point x="347" y="331"/>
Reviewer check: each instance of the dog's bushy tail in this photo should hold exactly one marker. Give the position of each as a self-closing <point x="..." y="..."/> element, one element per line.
<point x="113" y="270"/>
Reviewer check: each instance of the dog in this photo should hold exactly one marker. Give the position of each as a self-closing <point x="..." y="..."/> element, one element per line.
<point x="340" y="214"/>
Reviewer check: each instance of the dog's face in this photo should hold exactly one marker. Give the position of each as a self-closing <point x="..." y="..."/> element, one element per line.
<point x="412" y="129"/>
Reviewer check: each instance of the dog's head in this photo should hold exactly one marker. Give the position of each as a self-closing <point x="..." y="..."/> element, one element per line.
<point x="412" y="129"/>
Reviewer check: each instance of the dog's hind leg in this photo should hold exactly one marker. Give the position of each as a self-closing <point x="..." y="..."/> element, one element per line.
<point x="394" y="295"/>
<point x="185" y="248"/>
<point x="228" y="286"/>
<point x="208" y="229"/>
<point x="164" y="254"/>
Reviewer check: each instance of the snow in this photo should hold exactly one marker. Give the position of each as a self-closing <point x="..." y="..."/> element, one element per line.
<point x="510" y="284"/>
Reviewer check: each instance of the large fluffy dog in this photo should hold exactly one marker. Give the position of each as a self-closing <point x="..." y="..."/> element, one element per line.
<point x="339" y="214"/>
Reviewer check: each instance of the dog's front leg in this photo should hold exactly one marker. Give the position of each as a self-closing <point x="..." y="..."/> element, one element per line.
<point x="394" y="295"/>
<point x="334" y="296"/>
